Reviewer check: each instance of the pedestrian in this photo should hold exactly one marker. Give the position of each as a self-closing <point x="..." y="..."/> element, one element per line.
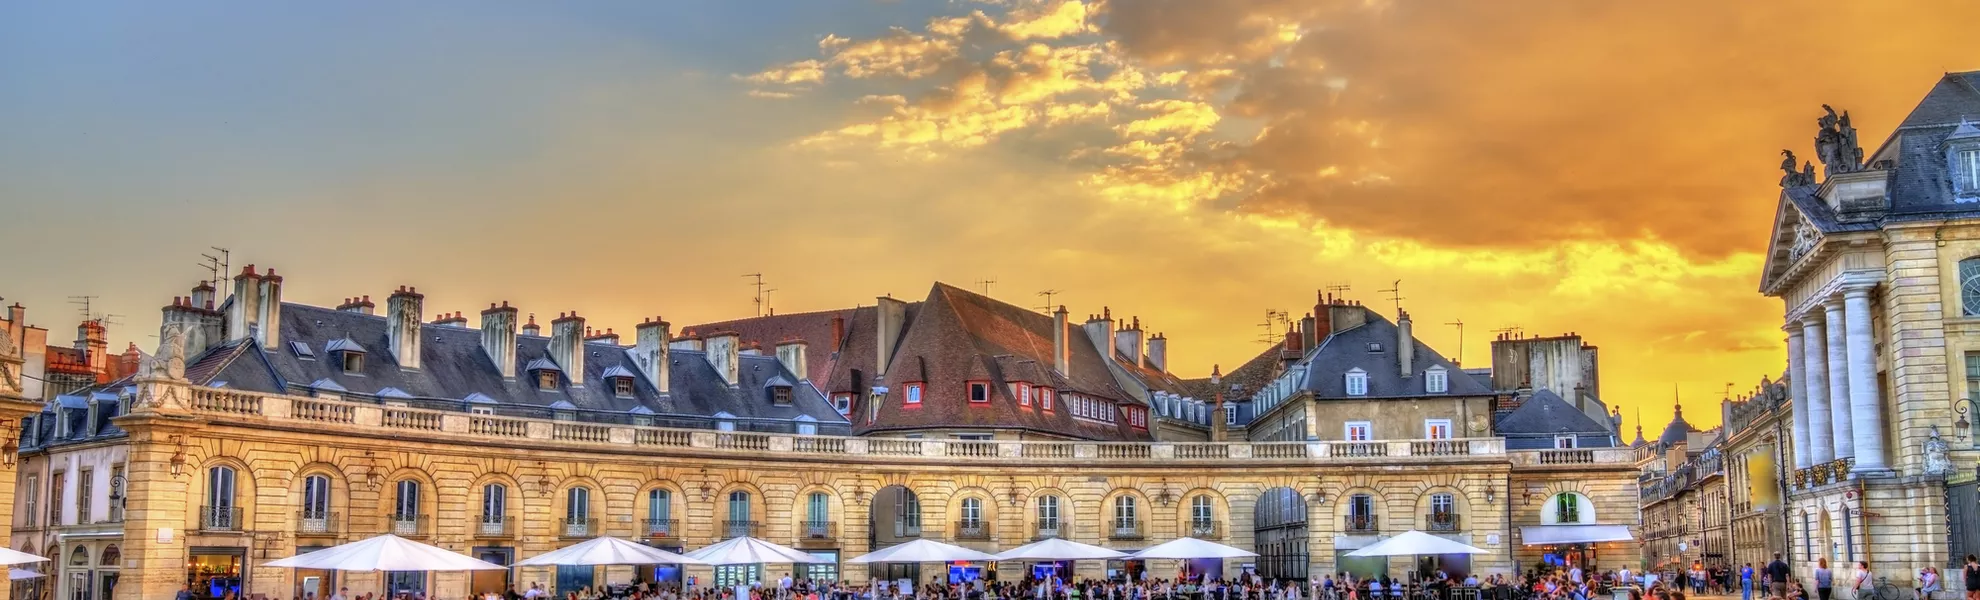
<point x="1928" y="583"/>
<point x="1746" y="582"/>
<point x="1861" y="583"/>
<point x="1825" y="580"/>
<point x="1777" y="576"/>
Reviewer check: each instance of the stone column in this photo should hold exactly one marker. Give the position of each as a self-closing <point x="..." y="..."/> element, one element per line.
<point x="1864" y="404"/>
<point x="1821" y="444"/>
<point x="1798" y="394"/>
<point x="1839" y="417"/>
<point x="12" y="409"/>
<point x="155" y="513"/>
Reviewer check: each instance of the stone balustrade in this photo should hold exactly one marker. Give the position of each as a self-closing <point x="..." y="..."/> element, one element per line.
<point x="322" y="412"/>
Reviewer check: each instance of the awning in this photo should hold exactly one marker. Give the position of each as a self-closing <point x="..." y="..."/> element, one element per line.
<point x="1543" y="535"/>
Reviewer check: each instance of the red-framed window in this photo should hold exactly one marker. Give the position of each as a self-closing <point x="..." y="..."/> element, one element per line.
<point x="1024" y="394"/>
<point x="843" y="402"/>
<point x="911" y="393"/>
<point x="1045" y="398"/>
<point x="1137" y="417"/>
<point x="979" y="392"/>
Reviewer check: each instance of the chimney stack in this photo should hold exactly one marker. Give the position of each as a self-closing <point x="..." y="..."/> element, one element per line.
<point x="838" y="332"/>
<point x="269" y="318"/>
<point x="567" y="346"/>
<point x="1158" y="353"/>
<point x="1309" y="338"/>
<point x="604" y="337"/>
<point x="724" y="349"/>
<point x="452" y="319"/>
<point x="1061" y="346"/>
<point x="246" y="309"/>
<point x="1100" y="331"/>
<point x="651" y="352"/>
<point x="891" y="318"/>
<point x="1128" y="340"/>
<point x="530" y="328"/>
<point x="204" y="326"/>
<point x="1405" y="344"/>
<point x="403" y="312"/>
<point x="498" y="338"/>
<point x="359" y="304"/>
<point x="95" y="348"/>
<point x="791" y="354"/>
<point x="202" y="295"/>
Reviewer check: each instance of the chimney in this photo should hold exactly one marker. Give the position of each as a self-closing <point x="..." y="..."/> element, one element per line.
<point x="1309" y="338"/>
<point x="891" y="318"/>
<point x="452" y="319"/>
<point x="1128" y="340"/>
<point x="1158" y="353"/>
<point x="246" y="308"/>
<point x="1100" y="330"/>
<point x="791" y="354"/>
<point x="751" y="348"/>
<point x="1405" y="344"/>
<point x="567" y="346"/>
<point x="498" y="338"/>
<point x="651" y="352"/>
<point x="603" y="337"/>
<point x="195" y="315"/>
<point x="269" y="312"/>
<point x="403" y="311"/>
<point x="530" y="328"/>
<point x="127" y="363"/>
<point x="95" y="348"/>
<point x="1217" y="432"/>
<point x="1341" y="316"/>
<point x="838" y="332"/>
<point x="724" y="353"/>
<point x="202" y="295"/>
<point x="1061" y="348"/>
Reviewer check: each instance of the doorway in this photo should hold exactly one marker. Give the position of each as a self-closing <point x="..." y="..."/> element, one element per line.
<point x="482" y="582"/>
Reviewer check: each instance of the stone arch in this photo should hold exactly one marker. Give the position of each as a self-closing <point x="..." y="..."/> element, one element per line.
<point x="809" y="526"/>
<point x="79" y="557"/>
<point x="1124" y="514"/>
<point x="231" y="514"/>
<point x="1281" y="520"/>
<point x="1567" y="508"/>
<point x="1061" y="517"/>
<point x="319" y="518"/>
<point x="727" y="511"/>
<point x="408" y="515"/>
<point x="112" y="557"/>
<point x="977" y="526"/>
<point x="575" y="515"/>
<point x="1208" y="527"/>
<point x="664" y="523"/>
<point x="895" y="515"/>
<point x="1430" y="516"/>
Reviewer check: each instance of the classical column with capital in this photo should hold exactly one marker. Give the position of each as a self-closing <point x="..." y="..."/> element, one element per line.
<point x="1839" y="416"/>
<point x="1797" y="378"/>
<point x="1864" y="405"/>
<point x="1821" y="440"/>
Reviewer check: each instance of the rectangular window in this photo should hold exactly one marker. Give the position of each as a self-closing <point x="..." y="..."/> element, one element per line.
<point x="1048" y="514"/>
<point x="911" y="393"/>
<point x="33" y="492"/>
<point x="55" y="500"/>
<point x="1436" y="381"/>
<point x="1968" y="170"/>
<point x="85" y="495"/>
<point x="843" y="403"/>
<point x="807" y="429"/>
<point x="979" y="391"/>
<point x="1024" y="394"/>
<point x="1437" y="429"/>
<point x="725" y="425"/>
<point x="1564" y="442"/>
<point x="622" y="387"/>
<point x="1230" y="414"/>
<point x="1357" y="383"/>
<point x="481" y="410"/>
<point x="1359" y="431"/>
<point x="353" y="362"/>
<point x="972" y="512"/>
<point x="1045" y="398"/>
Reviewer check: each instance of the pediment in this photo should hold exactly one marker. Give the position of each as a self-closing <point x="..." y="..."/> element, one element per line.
<point x="1794" y="237"/>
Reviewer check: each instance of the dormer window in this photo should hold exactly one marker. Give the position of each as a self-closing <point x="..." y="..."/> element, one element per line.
<point x="1436" y="380"/>
<point x="353" y="363"/>
<point x="979" y="391"/>
<point x="1966" y="174"/>
<point x="347" y="352"/>
<point x="1045" y="398"/>
<point x="1374" y="346"/>
<point x="842" y="402"/>
<point x="911" y="393"/>
<point x="780" y="395"/>
<point x="1357" y="382"/>
<point x="1023" y="393"/>
<point x="622" y="387"/>
<point x="546" y="380"/>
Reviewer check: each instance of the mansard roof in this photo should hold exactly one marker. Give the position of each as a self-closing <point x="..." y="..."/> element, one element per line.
<point x="1371" y="347"/>
<point x="1544" y="415"/>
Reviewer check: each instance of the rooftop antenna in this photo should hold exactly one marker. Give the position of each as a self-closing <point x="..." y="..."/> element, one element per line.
<point x="112" y="319"/>
<point x="219" y="266"/>
<point x="83" y="301"/>
<point x="1273" y="317"/>
<point x="767" y="307"/>
<point x="1395" y="294"/>
<point x="1729" y="389"/>
<point x="759" y="292"/>
<point x="1048" y="294"/>
<point x="985" y="284"/>
<point x="1460" y="326"/>
<point x="1338" y="289"/>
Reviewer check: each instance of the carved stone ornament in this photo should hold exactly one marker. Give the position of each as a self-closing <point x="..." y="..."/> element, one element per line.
<point x="1936" y="460"/>
<point x="1806" y="237"/>
<point x="169" y="362"/>
<point x="1836" y="144"/>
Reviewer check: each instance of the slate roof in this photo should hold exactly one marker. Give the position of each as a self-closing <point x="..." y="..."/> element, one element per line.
<point x="1246" y="379"/>
<point x="815" y="328"/>
<point x="1678" y="431"/>
<point x="454" y="368"/>
<point x="1371" y="348"/>
<point x="74" y="408"/>
<point x="1544" y="415"/>
<point x="955" y="336"/>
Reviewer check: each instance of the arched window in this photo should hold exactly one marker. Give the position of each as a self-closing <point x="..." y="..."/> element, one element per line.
<point x="315" y="504"/>
<point x="577" y="511"/>
<point x="740" y="523"/>
<point x="1202" y="515"/>
<point x="112" y="557"/>
<point x="79" y="558"/>
<point x="494" y="509"/>
<point x="1126" y="522"/>
<point x="1443" y="512"/>
<point x="405" y="508"/>
<point x="659" y="513"/>
<point x="1048" y="516"/>
<point x="1567" y="508"/>
<point x="220" y="513"/>
<point x="1969" y="286"/>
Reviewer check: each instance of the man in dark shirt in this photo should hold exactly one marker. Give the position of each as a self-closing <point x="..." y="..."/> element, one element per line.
<point x="1777" y="574"/>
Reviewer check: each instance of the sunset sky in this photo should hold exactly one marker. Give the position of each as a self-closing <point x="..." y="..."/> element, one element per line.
<point x="1600" y="167"/>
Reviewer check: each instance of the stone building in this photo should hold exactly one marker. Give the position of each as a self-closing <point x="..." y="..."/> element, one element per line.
<point x="1877" y="266"/>
<point x="1755" y="427"/>
<point x="264" y="428"/>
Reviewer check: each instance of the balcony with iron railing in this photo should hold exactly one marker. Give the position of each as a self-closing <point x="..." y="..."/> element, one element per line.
<point x="1360" y="524"/>
<point x="494" y="527"/>
<point x="736" y="529"/>
<point x="1046" y="528"/>
<point x="1125" y="530"/>
<point x="907" y="528"/>
<point x="1206" y="529"/>
<point x="973" y="529"/>
<point x="1442" y="522"/>
<point x="219" y="518"/>
<point x="660" y="528"/>
<point x="814" y="531"/>
<point x="318" y="523"/>
<point x="577" y="528"/>
<point x="410" y="525"/>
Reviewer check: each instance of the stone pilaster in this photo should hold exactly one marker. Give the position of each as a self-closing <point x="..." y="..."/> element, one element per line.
<point x="1839" y="415"/>
<point x="158" y="500"/>
<point x="1798" y="392"/>
<point x="1864" y="406"/>
<point x="12" y="409"/>
<point x="1821" y="436"/>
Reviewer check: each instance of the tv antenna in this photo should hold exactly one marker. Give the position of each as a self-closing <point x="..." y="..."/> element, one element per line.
<point x="760" y="300"/>
<point x="1273" y="319"/>
<point x="985" y="284"/>
<point x="1048" y="294"/>
<point x="1338" y="289"/>
<point x="218" y="266"/>
<point x="84" y="302"/>
<point x="767" y="307"/>
<point x="1460" y="353"/>
<point x="1395" y="294"/>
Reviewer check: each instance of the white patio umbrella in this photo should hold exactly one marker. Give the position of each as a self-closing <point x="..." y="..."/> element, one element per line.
<point x="15" y="557"/>
<point x="19" y="574"/>
<point x="1058" y="549"/>
<point x="607" y="551"/>
<point x="1187" y="548"/>
<point x="921" y="551"/>
<point x="385" y="553"/>
<point x="1415" y="542"/>
<point x="748" y="550"/>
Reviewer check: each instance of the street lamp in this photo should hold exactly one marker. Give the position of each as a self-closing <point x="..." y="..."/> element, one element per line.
<point x="1961" y="406"/>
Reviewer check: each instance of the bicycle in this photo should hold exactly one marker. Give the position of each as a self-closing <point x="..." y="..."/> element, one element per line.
<point x="1885" y="591"/>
